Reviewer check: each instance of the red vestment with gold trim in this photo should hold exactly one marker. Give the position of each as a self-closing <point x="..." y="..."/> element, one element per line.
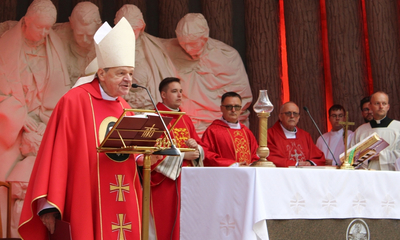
<point x="165" y="192"/>
<point x="228" y="146"/>
<point x="99" y="195"/>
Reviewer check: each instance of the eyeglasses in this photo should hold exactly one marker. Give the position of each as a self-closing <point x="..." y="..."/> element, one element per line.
<point x="229" y="107"/>
<point x="335" y="116"/>
<point x="365" y="110"/>
<point x="289" y="114"/>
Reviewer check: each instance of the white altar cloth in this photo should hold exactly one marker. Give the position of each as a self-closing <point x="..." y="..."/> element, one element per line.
<point x="233" y="203"/>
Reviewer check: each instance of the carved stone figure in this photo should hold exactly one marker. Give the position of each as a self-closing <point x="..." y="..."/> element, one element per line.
<point x="208" y="68"/>
<point x="33" y="77"/>
<point x="77" y="36"/>
<point x="152" y="62"/>
<point x="7" y="25"/>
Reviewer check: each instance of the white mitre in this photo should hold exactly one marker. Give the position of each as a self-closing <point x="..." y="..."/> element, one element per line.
<point x="115" y="48"/>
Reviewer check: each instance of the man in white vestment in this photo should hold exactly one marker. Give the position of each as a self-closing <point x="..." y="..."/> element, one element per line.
<point x="335" y="137"/>
<point x="386" y="128"/>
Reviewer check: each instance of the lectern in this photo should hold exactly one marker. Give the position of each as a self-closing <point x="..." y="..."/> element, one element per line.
<point x="143" y="134"/>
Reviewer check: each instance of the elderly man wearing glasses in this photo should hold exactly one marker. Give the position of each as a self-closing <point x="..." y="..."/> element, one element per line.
<point x="334" y="138"/>
<point x="290" y="145"/>
<point x="230" y="143"/>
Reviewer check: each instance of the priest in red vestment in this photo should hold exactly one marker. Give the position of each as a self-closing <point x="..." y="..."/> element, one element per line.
<point x="288" y="144"/>
<point x="165" y="178"/>
<point x="229" y="142"/>
<point x="99" y="194"/>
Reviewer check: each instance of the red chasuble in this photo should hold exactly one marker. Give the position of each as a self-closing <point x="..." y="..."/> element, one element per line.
<point x="165" y="192"/>
<point x="283" y="152"/>
<point x="227" y="146"/>
<point x="99" y="194"/>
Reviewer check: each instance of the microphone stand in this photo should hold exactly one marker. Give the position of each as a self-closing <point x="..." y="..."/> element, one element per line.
<point x="316" y="126"/>
<point x="172" y="151"/>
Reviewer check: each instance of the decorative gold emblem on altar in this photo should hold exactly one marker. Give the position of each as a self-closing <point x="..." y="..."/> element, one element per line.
<point x="358" y="230"/>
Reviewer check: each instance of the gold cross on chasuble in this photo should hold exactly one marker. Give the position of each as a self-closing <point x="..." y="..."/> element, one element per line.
<point x="121" y="227"/>
<point x="119" y="188"/>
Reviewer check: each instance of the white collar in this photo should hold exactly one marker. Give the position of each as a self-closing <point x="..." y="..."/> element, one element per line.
<point x="379" y="121"/>
<point x="176" y="110"/>
<point x="105" y="96"/>
<point x="232" y="125"/>
<point x="289" y="134"/>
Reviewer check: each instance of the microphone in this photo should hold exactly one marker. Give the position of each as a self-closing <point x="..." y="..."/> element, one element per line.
<point x="172" y="151"/>
<point x="306" y="109"/>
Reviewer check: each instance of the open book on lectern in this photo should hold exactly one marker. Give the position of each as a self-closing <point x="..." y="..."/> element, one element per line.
<point x="138" y="130"/>
<point x="365" y="149"/>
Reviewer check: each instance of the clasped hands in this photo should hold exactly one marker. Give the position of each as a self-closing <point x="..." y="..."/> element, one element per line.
<point x="191" y="143"/>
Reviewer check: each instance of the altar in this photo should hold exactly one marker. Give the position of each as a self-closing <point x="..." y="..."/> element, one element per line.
<point x="259" y="203"/>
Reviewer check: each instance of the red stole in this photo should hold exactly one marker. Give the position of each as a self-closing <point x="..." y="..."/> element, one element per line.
<point x="241" y="146"/>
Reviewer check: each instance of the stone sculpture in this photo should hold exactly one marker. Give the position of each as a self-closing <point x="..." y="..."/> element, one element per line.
<point x="33" y="77"/>
<point x="208" y="68"/>
<point x="77" y="36"/>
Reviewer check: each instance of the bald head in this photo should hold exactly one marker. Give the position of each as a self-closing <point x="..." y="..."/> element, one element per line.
<point x="379" y="105"/>
<point x="289" y="115"/>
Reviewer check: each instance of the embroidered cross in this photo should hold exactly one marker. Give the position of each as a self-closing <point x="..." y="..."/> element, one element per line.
<point x="297" y="203"/>
<point x="329" y="203"/>
<point x="359" y="203"/>
<point x="388" y="204"/>
<point x="121" y="227"/>
<point x="296" y="155"/>
<point x="227" y="224"/>
<point x="119" y="188"/>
